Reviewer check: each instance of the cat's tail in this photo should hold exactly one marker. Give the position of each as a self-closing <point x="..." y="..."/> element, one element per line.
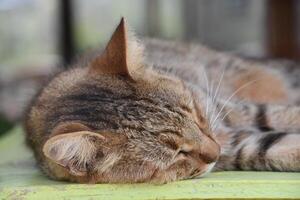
<point x="261" y="151"/>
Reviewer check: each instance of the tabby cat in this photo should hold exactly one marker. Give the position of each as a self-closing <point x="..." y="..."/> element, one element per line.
<point x="176" y="113"/>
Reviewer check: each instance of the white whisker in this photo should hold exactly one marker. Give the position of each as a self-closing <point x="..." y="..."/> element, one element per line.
<point x="229" y="111"/>
<point x="219" y="84"/>
<point x="229" y="98"/>
<point x="207" y="90"/>
<point x="216" y="94"/>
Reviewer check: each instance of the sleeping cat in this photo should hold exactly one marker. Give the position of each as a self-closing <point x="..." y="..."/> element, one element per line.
<point x="177" y="113"/>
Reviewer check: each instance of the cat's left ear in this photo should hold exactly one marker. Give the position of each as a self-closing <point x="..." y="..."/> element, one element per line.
<point x="122" y="56"/>
<point x="77" y="152"/>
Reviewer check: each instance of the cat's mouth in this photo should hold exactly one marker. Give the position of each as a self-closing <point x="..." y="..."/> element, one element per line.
<point x="204" y="172"/>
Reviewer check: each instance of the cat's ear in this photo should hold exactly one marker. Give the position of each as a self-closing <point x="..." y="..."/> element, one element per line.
<point x="122" y="56"/>
<point x="76" y="151"/>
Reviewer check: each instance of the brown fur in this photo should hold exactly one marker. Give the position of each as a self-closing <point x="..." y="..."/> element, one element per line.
<point x="119" y="118"/>
<point x="261" y="91"/>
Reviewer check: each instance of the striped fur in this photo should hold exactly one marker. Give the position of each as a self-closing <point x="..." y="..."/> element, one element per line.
<point x="120" y="118"/>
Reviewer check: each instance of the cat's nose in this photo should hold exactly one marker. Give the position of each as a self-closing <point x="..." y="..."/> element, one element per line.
<point x="209" y="150"/>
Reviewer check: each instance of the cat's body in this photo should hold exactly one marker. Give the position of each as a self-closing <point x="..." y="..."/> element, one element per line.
<point x="173" y="116"/>
<point x="188" y="62"/>
<point x="261" y="99"/>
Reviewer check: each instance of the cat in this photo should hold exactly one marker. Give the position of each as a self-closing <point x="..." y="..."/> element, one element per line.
<point x="176" y="113"/>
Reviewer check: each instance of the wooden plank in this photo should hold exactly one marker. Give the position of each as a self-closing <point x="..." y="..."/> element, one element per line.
<point x="66" y="35"/>
<point x="281" y="31"/>
<point x="21" y="179"/>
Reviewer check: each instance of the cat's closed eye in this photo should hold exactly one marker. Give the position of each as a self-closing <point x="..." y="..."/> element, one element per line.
<point x="183" y="153"/>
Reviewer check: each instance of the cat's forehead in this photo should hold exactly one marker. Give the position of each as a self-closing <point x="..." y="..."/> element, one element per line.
<point x="148" y="84"/>
<point x="115" y="103"/>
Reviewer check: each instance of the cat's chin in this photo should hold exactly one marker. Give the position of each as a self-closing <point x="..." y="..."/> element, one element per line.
<point x="207" y="170"/>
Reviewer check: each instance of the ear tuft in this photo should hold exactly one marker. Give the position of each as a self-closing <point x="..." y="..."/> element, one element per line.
<point x="123" y="54"/>
<point x="75" y="151"/>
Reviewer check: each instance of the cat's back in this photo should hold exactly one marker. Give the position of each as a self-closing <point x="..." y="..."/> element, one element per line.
<point x="197" y="64"/>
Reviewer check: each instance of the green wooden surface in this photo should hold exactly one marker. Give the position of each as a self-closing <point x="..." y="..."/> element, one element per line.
<point x="20" y="179"/>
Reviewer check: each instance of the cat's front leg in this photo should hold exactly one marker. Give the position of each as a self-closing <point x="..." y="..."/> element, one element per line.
<point x="265" y="117"/>
<point x="280" y="117"/>
<point x="264" y="151"/>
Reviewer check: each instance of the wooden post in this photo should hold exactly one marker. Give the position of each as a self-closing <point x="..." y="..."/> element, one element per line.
<point x="281" y="33"/>
<point x="66" y="37"/>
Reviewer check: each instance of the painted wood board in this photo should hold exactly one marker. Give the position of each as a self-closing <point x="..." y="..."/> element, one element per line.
<point x="21" y="179"/>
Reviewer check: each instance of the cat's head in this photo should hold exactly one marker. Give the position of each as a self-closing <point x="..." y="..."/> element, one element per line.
<point x="132" y="124"/>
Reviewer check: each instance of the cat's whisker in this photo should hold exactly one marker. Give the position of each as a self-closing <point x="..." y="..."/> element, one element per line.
<point x="231" y="96"/>
<point x="242" y="100"/>
<point x="219" y="84"/>
<point x="207" y="90"/>
<point x="210" y="102"/>
<point x="210" y="113"/>
<point x="216" y="94"/>
<point x="225" y="115"/>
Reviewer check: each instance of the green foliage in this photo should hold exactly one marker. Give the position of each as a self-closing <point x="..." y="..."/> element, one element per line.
<point x="5" y="125"/>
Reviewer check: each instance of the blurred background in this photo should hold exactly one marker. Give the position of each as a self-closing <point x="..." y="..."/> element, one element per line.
<point x="36" y="36"/>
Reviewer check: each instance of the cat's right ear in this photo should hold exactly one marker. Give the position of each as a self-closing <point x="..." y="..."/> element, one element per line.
<point x="123" y="54"/>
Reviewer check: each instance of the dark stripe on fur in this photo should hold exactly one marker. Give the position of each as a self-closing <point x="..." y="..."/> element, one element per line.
<point x="102" y="108"/>
<point x="268" y="141"/>
<point x="239" y="136"/>
<point x="238" y="158"/>
<point x="261" y="118"/>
